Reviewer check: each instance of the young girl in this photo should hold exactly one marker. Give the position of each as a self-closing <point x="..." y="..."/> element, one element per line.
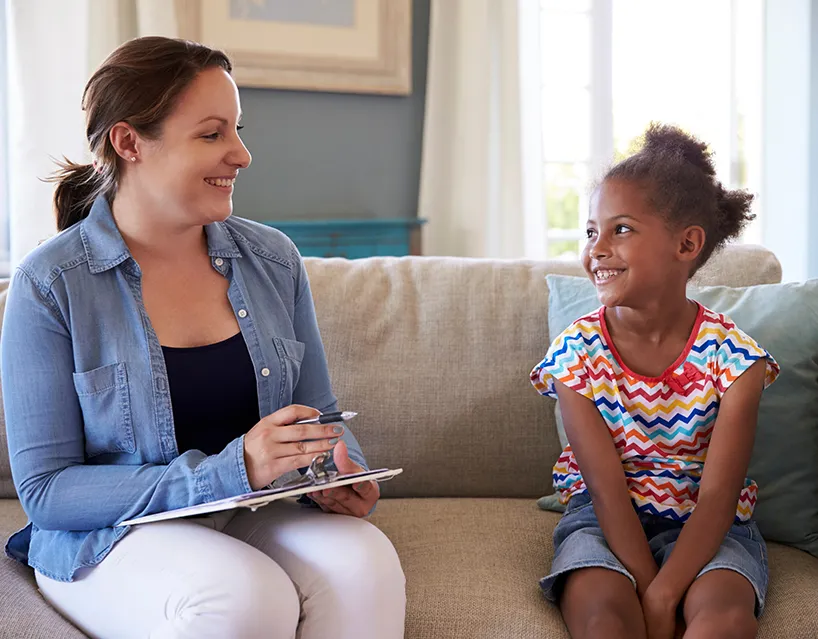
<point x="650" y="386"/>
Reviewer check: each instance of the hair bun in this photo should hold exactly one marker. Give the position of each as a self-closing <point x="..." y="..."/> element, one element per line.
<point x="671" y="140"/>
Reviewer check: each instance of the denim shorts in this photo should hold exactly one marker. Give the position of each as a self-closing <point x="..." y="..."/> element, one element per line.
<point x="579" y="543"/>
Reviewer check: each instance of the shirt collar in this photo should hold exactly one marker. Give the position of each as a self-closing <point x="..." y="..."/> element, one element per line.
<point x="105" y="248"/>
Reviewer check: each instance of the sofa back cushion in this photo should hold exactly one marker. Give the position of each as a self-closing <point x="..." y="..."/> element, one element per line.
<point x="435" y="353"/>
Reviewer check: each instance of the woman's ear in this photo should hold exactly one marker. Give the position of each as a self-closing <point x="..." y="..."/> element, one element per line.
<point x="125" y="141"/>
<point x="691" y="243"/>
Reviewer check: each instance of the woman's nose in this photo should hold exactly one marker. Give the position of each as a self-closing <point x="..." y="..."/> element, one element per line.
<point x="240" y="156"/>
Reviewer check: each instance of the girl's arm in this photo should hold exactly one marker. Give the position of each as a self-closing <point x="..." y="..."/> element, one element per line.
<point x="728" y="457"/>
<point x="603" y="474"/>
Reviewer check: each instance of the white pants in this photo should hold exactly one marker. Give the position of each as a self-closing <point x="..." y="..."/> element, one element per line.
<point x="283" y="571"/>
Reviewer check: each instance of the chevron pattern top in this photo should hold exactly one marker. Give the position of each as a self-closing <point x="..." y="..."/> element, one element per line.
<point x="661" y="426"/>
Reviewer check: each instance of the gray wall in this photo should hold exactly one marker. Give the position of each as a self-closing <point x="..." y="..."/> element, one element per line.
<point x="329" y="155"/>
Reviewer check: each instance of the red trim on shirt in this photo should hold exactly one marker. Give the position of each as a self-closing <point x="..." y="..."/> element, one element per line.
<point x="679" y="360"/>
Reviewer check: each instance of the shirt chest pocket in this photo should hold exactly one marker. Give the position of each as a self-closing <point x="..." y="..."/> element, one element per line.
<point x="290" y="355"/>
<point x="105" y="402"/>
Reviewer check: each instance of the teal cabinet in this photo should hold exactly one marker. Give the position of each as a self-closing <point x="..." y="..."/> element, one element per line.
<point x="352" y="238"/>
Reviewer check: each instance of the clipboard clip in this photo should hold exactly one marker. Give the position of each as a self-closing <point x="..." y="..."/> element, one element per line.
<point x="316" y="474"/>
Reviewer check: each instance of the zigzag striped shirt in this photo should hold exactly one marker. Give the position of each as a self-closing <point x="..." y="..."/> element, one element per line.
<point x="661" y="426"/>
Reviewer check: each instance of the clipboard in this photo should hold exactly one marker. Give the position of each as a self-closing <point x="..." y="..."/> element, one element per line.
<point x="316" y="478"/>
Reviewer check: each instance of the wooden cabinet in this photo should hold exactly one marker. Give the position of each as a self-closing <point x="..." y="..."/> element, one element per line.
<point x="353" y="238"/>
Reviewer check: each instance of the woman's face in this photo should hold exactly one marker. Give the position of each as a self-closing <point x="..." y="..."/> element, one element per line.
<point x="188" y="173"/>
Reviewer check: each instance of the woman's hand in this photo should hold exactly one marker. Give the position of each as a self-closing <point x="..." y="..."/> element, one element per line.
<point x="356" y="500"/>
<point x="276" y="445"/>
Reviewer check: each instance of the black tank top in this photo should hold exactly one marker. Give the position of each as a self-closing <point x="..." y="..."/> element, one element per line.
<point x="213" y="394"/>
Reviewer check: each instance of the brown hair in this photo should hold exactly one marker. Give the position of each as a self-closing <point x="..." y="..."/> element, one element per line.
<point x="678" y="173"/>
<point x="139" y="83"/>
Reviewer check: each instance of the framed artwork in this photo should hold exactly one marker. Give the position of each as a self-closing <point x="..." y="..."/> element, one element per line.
<point x="347" y="46"/>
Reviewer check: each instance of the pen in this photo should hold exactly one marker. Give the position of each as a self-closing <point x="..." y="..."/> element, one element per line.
<point x="329" y="418"/>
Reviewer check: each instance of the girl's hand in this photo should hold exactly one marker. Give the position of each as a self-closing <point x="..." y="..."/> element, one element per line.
<point x="660" y="614"/>
<point x="276" y="445"/>
<point x="356" y="500"/>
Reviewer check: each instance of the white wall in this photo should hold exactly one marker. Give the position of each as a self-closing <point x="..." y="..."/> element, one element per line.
<point x="48" y="68"/>
<point x="790" y="148"/>
<point x="4" y="168"/>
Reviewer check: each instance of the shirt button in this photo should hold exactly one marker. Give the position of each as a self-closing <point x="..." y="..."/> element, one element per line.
<point x="219" y="261"/>
<point x="242" y="313"/>
<point x="265" y="372"/>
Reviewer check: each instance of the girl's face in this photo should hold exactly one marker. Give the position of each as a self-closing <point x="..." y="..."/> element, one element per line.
<point x="631" y="254"/>
<point x="188" y="173"/>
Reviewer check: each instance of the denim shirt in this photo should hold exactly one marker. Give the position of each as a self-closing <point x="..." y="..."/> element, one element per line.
<point x="85" y="389"/>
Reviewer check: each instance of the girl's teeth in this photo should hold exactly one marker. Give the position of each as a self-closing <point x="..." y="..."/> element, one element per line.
<point x="605" y="275"/>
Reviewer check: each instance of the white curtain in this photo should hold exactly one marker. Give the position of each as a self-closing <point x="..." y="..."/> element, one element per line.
<point x="480" y="186"/>
<point x="54" y="46"/>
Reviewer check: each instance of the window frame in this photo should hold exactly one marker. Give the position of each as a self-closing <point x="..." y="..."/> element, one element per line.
<point x="601" y="152"/>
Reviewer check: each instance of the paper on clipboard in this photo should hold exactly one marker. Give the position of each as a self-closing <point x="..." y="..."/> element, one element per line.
<point x="260" y="498"/>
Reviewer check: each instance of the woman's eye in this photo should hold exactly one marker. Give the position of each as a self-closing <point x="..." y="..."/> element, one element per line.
<point x="621" y="228"/>
<point x="239" y="128"/>
<point x="589" y="233"/>
<point x="212" y="136"/>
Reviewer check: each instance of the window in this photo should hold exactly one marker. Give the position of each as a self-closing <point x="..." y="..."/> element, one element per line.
<point x="609" y="67"/>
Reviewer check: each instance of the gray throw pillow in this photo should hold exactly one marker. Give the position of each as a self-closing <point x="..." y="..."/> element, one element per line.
<point x="783" y="319"/>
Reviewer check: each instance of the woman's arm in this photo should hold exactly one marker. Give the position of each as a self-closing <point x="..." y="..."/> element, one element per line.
<point x="57" y="489"/>
<point x="603" y="474"/>
<point x="314" y="388"/>
<point x="725" y="470"/>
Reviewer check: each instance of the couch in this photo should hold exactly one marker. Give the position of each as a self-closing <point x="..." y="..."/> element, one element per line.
<point x="435" y="353"/>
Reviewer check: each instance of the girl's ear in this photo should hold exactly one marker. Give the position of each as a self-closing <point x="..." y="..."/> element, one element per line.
<point x="691" y="243"/>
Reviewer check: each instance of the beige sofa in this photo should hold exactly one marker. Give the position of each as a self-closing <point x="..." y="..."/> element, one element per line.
<point x="435" y="355"/>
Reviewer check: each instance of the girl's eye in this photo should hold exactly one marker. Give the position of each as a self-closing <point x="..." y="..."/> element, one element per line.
<point x="589" y="233"/>
<point x="621" y="228"/>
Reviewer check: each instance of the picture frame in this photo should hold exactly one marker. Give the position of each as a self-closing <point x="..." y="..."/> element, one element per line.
<point x="345" y="46"/>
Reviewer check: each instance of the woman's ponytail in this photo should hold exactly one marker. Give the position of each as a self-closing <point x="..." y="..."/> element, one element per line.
<point x="78" y="185"/>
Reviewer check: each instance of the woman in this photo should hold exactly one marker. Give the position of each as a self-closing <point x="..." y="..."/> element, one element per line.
<point x="155" y="355"/>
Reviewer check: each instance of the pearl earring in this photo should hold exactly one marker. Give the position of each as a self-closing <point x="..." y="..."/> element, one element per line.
<point x="133" y="159"/>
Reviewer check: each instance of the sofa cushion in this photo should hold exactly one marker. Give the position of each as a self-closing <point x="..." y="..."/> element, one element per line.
<point x="24" y="614"/>
<point x="434" y="354"/>
<point x="472" y="568"/>
<point x="783" y="318"/>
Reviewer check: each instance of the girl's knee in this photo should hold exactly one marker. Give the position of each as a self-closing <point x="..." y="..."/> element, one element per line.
<point x="611" y="623"/>
<point x="730" y="623"/>
<point x="612" y="611"/>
